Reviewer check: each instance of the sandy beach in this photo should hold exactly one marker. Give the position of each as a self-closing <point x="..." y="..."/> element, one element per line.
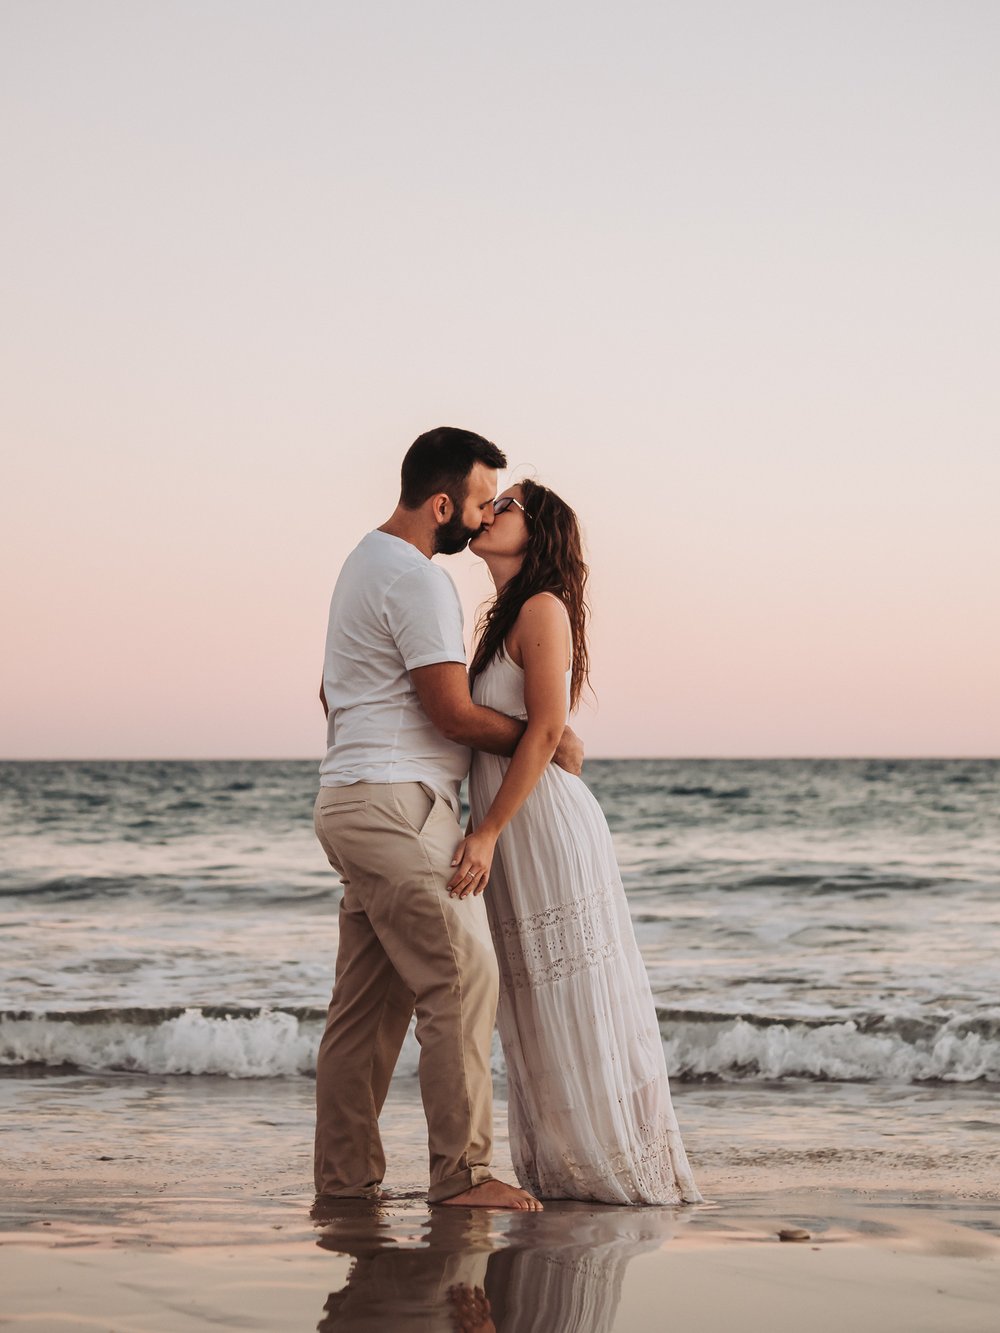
<point x="159" y="1231"/>
<point x="575" y="1273"/>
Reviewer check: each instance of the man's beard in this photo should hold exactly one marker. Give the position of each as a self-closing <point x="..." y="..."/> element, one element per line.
<point x="454" y="536"/>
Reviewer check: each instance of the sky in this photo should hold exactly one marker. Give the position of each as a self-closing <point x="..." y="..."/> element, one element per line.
<point x="723" y="274"/>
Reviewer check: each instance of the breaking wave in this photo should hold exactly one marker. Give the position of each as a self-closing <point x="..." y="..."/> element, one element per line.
<point x="957" y="1050"/>
<point x="281" y="1042"/>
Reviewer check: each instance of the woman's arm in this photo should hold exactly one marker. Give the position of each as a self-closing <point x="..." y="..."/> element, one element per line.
<point x="542" y="635"/>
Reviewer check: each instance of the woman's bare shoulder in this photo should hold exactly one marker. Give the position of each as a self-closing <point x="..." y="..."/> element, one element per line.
<point x="542" y="608"/>
<point x="552" y="599"/>
<point x="542" y="618"/>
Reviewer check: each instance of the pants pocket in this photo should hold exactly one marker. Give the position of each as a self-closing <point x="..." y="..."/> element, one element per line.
<point x="416" y="804"/>
<point x="342" y="807"/>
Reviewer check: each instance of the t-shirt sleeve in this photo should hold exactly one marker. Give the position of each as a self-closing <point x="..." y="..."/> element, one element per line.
<point x="424" y="616"/>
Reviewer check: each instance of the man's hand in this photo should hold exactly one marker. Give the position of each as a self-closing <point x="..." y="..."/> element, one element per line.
<point x="569" y="752"/>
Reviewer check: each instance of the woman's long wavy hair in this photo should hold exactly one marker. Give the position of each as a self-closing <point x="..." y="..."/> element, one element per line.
<point x="553" y="562"/>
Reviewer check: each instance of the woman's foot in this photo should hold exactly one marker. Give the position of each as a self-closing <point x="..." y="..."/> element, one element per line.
<point x="496" y="1194"/>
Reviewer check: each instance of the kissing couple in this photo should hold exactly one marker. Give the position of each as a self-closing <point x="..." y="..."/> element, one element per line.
<point x="526" y="907"/>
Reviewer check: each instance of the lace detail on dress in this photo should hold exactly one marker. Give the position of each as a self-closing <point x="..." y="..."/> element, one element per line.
<point x="574" y="910"/>
<point x="531" y="973"/>
<point x="559" y="941"/>
<point x="654" y="1168"/>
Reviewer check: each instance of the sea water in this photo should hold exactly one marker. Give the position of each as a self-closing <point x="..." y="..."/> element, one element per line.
<point x="805" y="924"/>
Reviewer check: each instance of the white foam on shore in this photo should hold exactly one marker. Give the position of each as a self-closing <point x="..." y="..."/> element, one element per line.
<point x="734" y="1048"/>
<point x="277" y="1044"/>
<point x="271" y="1044"/>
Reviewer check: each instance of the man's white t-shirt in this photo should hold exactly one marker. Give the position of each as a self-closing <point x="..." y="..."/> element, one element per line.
<point x="392" y="610"/>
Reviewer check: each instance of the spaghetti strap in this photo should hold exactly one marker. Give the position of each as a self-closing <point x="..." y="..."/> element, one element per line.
<point x="545" y="593"/>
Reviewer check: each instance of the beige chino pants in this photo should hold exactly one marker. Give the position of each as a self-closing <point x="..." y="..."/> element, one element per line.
<point x="404" y="945"/>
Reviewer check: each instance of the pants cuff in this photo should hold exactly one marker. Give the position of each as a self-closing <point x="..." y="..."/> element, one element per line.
<point x="458" y="1183"/>
<point x="373" y="1191"/>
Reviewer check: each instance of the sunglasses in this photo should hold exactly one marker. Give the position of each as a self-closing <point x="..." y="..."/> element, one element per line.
<point x="504" y="503"/>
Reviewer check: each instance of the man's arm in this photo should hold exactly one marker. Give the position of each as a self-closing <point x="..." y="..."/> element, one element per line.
<point x="322" y="699"/>
<point x="443" y="690"/>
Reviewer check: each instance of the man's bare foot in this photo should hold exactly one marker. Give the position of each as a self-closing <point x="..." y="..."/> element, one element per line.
<point x="496" y="1194"/>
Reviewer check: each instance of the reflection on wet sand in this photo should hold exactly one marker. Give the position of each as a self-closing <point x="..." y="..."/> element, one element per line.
<point x="474" y="1270"/>
<point x="406" y="1274"/>
<point x="566" y="1271"/>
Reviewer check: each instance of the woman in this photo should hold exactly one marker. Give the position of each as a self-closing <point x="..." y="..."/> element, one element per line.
<point x="589" y="1102"/>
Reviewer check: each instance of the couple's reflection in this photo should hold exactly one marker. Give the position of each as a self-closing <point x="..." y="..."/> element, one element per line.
<point x="473" y="1270"/>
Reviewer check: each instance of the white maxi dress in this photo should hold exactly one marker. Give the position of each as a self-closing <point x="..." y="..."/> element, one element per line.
<point x="589" y="1109"/>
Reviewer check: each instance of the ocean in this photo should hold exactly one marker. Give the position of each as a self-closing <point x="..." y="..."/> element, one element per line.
<point x="818" y="934"/>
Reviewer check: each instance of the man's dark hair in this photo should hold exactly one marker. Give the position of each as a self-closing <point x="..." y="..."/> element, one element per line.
<point x="441" y="460"/>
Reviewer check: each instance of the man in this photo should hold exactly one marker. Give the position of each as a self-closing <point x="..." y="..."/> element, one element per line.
<point x="400" y="723"/>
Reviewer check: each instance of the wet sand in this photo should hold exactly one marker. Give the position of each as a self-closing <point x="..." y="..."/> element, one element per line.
<point x="141" y="1205"/>
<point x="867" y="1266"/>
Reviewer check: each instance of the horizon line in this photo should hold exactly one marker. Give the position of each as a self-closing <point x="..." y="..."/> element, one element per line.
<point x="605" y="758"/>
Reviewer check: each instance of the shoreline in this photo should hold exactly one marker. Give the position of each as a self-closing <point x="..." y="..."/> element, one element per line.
<point x="184" y="1203"/>
<point x="877" y="1265"/>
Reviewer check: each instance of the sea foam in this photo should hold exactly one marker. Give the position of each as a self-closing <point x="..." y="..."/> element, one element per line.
<point x="268" y="1044"/>
<point x="733" y="1049"/>
<point x="276" y="1043"/>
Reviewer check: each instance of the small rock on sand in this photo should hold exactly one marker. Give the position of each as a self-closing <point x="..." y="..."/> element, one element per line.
<point x="793" y="1233"/>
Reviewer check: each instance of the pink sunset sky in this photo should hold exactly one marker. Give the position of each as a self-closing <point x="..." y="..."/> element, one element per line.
<point x="725" y="275"/>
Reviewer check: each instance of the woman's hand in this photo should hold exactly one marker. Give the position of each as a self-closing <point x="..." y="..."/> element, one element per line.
<point x="473" y="857"/>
